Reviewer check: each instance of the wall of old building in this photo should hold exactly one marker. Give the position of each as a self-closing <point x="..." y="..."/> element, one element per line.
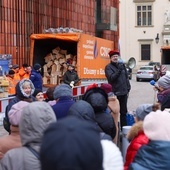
<point x="20" y="18"/>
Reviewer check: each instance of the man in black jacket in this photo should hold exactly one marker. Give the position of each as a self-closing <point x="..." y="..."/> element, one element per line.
<point x="117" y="76"/>
<point x="70" y="76"/>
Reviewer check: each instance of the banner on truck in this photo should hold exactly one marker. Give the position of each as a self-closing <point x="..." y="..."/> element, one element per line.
<point x="93" y="56"/>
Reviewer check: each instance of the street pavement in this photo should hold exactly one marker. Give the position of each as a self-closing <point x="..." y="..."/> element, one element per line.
<point x="141" y="93"/>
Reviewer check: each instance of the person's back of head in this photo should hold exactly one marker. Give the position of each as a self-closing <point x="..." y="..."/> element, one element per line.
<point x="49" y="93"/>
<point x="71" y="144"/>
<point x="82" y="110"/>
<point x="35" y="119"/>
<point x="97" y="97"/>
<point x="156" y="126"/>
<point x="62" y="90"/>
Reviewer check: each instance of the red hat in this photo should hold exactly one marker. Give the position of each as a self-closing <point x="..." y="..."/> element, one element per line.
<point x="113" y="52"/>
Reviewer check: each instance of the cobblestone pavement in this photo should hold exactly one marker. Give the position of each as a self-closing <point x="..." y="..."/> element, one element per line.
<point x="141" y="93"/>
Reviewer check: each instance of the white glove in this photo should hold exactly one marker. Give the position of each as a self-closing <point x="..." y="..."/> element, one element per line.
<point x="72" y="84"/>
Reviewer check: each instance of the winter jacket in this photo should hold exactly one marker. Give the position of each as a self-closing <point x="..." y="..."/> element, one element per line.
<point x="137" y="138"/>
<point x="114" y="108"/>
<point x="162" y="95"/>
<point x="70" y="76"/>
<point x="99" y="101"/>
<point x="84" y="111"/>
<point x="118" y="78"/>
<point x="10" y="141"/>
<point x="20" y="96"/>
<point x="36" y="118"/>
<point x="62" y="106"/>
<point x="36" y="79"/>
<point x="153" y="156"/>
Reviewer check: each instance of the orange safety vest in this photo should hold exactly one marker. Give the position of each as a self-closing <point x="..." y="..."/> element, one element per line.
<point x="12" y="84"/>
<point x="22" y="73"/>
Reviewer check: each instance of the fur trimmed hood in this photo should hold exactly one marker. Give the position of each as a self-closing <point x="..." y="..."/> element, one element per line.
<point x="135" y="129"/>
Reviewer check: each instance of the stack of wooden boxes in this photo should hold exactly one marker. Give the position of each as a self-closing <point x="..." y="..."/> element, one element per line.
<point x="56" y="65"/>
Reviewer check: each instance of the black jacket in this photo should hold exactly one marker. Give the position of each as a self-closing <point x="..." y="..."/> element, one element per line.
<point x="116" y="74"/>
<point x="70" y="76"/>
<point x="99" y="101"/>
<point x="153" y="156"/>
<point x="83" y="110"/>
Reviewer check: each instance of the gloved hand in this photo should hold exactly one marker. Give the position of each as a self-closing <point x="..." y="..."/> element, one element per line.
<point x="121" y="67"/>
<point x="72" y="84"/>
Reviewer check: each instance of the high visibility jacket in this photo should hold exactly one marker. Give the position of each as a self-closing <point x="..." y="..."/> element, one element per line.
<point x="22" y="72"/>
<point x="12" y="84"/>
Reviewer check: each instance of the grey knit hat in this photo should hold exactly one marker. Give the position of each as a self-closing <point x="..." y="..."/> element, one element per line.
<point x="62" y="90"/>
<point x="164" y="81"/>
<point x="143" y="110"/>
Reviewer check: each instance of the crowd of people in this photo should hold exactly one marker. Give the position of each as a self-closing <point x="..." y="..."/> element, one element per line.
<point x="58" y="132"/>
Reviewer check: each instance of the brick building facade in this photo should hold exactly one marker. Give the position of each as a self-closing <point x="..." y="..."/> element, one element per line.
<point x="20" y="18"/>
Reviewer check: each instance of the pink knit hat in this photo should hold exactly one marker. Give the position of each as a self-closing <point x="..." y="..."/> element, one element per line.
<point x="156" y="125"/>
<point x="15" y="112"/>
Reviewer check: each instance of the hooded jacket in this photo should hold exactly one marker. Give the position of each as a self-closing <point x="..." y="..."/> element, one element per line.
<point x="83" y="110"/>
<point x="137" y="138"/>
<point x="154" y="155"/>
<point x="98" y="99"/>
<point x="35" y="119"/>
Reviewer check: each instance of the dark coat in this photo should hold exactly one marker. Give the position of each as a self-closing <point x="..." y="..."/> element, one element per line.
<point x="62" y="106"/>
<point x="36" y="79"/>
<point x="83" y="110"/>
<point x="99" y="101"/>
<point x="154" y="155"/>
<point x="70" y="76"/>
<point x="118" y="78"/>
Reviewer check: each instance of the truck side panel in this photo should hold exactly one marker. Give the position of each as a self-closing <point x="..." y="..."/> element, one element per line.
<point x="93" y="56"/>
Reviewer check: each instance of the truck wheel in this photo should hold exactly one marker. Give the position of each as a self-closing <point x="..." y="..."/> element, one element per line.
<point x="137" y="79"/>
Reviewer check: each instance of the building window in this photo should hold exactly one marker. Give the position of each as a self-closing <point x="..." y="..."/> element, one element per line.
<point x="145" y="51"/>
<point x="144" y="15"/>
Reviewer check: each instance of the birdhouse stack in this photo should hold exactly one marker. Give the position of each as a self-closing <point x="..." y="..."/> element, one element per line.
<point x="56" y="65"/>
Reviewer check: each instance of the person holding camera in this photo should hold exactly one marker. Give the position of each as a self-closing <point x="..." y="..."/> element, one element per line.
<point x="117" y="76"/>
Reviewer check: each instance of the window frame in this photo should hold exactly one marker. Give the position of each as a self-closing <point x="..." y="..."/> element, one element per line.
<point x="148" y="20"/>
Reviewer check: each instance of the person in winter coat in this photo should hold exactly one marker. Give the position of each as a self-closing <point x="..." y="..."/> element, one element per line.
<point x="13" y="140"/>
<point x="64" y="99"/>
<point x="23" y="71"/>
<point x="117" y="76"/>
<point x="12" y="82"/>
<point x="136" y="135"/>
<point x="35" y="119"/>
<point x="36" y="77"/>
<point x="163" y="87"/>
<point x="98" y="99"/>
<point x="24" y="91"/>
<point x="71" y="144"/>
<point x="155" y="154"/>
<point x="70" y="76"/>
<point x="83" y="110"/>
<point x="113" y="107"/>
<point x="49" y="96"/>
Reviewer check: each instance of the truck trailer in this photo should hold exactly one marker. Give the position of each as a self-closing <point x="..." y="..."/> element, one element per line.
<point x="92" y="52"/>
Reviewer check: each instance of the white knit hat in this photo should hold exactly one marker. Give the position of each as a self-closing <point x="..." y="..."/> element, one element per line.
<point x="156" y="125"/>
<point x="112" y="158"/>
